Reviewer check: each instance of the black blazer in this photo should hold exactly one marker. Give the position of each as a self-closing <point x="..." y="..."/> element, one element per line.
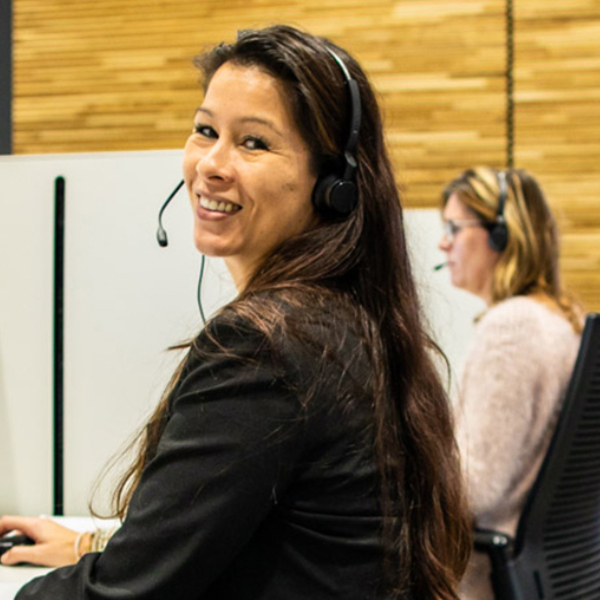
<point x="264" y="484"/>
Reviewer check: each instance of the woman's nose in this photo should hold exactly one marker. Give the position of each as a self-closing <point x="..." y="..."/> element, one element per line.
<point x="215" y="162"/>
<point x="444" y="243"/>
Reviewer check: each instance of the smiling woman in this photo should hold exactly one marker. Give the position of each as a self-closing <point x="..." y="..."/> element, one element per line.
<point x="304" y="449"/>
<point x="247" y="170"/>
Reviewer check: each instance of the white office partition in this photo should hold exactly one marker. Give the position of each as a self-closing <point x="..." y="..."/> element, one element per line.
<point x="26" y="259"/>
<point x="126" y="301"/>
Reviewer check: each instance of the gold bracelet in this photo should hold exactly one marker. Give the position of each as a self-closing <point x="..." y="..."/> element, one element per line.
<point x="87" y="542"/>
<point x="76" y="546"/>
<point x="100" y="539"/>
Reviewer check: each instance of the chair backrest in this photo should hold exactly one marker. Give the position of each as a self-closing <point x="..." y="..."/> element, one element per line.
<point x="557" y="546"/>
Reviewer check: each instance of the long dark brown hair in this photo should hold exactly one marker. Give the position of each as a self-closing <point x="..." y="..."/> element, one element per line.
<point x="362" y="264"/>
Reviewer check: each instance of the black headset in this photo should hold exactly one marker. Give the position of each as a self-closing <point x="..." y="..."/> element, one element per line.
<point x="335" y="192"/>
<point x="498" y="231"/>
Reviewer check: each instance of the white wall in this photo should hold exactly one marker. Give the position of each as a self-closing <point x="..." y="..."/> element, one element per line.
<point x="126" y="301"/>
<point x="450" y="311"/>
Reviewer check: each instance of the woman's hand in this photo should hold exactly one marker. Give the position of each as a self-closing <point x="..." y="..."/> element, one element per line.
<point x="54" y="544"/>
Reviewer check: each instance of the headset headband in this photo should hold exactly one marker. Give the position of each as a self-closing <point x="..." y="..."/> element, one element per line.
<point x="498" y="230"/>
<point x="355" y="117"/>
<point x="503" y="185"/>
<point x="355" y="106"/>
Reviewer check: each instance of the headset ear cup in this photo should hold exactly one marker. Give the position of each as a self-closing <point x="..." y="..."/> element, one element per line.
<point x="343" y="197"/>
<point x="498" y="237"/>
<point x="321" y="191"/>
<point x="332" y="195"/>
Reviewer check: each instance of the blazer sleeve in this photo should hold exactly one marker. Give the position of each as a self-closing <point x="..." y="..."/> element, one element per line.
<point x="232" y="438"/>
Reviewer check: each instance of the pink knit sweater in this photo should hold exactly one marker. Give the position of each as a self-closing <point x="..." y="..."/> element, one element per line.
<point x="513" y="382"/>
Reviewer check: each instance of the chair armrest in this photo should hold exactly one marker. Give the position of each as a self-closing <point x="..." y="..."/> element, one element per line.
<point x="488" y="540"/>
<point x="497" y="545"/>
<point x="500" y="548"/>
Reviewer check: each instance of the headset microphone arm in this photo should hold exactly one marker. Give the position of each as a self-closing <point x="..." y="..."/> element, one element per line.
<point x="161" y="234"/>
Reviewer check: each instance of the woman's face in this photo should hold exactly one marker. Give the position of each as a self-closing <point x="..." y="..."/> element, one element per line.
<point x="247" y="170"/>
<point x="470" y="258"/>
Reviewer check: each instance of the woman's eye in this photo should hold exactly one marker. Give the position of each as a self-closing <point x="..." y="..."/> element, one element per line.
<point x="205" y="131"/>
<point x="254" y="143"/>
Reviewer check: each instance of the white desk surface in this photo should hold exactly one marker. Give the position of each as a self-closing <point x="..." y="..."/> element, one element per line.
<point x="13" y="578"/>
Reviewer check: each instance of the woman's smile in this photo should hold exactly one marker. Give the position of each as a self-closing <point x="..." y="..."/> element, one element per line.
<point x="215" y="206"/>
<point x="218" y="206"/>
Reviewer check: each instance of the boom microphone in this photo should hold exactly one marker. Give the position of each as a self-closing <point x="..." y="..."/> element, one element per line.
<point x="440" y="266"/>
<point x="161" y="238"/>
<point x="161" y="234"/>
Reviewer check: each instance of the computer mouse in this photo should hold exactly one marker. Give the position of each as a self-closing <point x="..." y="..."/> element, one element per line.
<point x="9" y="540"/>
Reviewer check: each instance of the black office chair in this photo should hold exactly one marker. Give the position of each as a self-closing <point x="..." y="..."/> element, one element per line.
<point x="556" y="551"/>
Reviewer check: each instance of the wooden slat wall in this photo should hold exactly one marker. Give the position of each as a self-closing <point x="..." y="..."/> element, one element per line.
<point x="113" y="75"/>
<point x="557" y="132"/>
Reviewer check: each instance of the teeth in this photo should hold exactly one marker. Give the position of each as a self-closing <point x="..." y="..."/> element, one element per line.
<point x="222" y="206"/>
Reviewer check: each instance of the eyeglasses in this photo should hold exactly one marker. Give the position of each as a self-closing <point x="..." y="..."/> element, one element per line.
<point x="452" y="227"/>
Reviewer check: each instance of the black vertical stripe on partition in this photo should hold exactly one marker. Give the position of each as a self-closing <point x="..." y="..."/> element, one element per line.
<point x="58" y="381"/>
<point x="510" y="113"/>
<point x="6" y="70"/>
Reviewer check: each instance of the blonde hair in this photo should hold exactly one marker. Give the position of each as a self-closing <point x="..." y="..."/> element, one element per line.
<point x="529" y="265"/>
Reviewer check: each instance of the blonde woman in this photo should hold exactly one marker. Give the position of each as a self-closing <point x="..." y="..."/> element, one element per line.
<point x="502" y="245"/>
